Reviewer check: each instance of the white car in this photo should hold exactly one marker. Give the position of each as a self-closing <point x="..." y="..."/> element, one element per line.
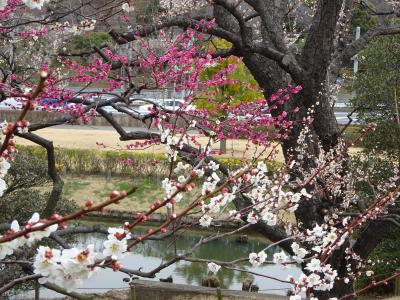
<point x="11" y="103"/>
<point x="175" y="104"/>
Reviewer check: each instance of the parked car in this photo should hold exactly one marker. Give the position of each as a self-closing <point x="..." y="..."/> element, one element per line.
<point x="176" y="104"/>
<point x="11" y="103"/>
<point x="248" y="117"/>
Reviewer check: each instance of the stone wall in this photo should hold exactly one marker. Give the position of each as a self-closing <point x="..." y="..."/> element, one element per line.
<point x="153" y="290"/>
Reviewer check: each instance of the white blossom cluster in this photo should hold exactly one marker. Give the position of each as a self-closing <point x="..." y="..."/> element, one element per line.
<point x="4" y="167"/>
<point x="175" y="7"/>
<point x="67" y="268"/>
<point x="172" y="142"/>
<point x="268" y="196"/>
<point x="216" y="203"/>
<point x="257" y="259"/>
<point x="8" y="248"/>
<point x="213" y="267"/>
<point x="70" y="267"/>
<point x="4" y="164"/>
<point x="85" y="25"/>
<point x="127" y="7"/>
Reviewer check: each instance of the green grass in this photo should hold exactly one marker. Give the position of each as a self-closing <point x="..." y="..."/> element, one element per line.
<point x="71" y="186"/>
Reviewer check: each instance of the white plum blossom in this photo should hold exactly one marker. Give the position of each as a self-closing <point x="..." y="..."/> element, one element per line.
<point x="304" y="193"/>
<point x="205" y="221"/>
<point x="164" y="134"/>
<point x="280" y="258"/>
<point x="213" y="267"/>
<point x="199" y="172"/>
<point x="67" y="268"/>
<point x="210" y="184"/>
<point x="329" y="238"/>
<point x="262" y="167"/>
<point x="46" y="260"/>
<point x="116" y="244"/>
<point x="4" y="167"/>
<point x="252" y="218"/>
<point x="330" y="274"/>
<point x="235" y="214"/>
<point x="181" y="179"/>
<point x="296" y="198"/>
<point x="77" y="261"/>
<point x="6" y="249"/>
<point x="313" y="280"/>
<point x="317" y="232"/>
<point x="257" y="259"/>
<point x="180" y="166"/>
<point x="213" y="165"/>
<point x="115" y="247"/>
<point x="169" y="187"/>
<point x="314" y="265"/>
<point x="317" y="249"/>
<point x="3" y="186"/>
<point x="269" y="217"/>
<point x="38" y="235"/>
<point x="295" y="297"/>
<point x="369" y="273"/>
<point x="127" y="8"/>
<point x="300" y="253"/>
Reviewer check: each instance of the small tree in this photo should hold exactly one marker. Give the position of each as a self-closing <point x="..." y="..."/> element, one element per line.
<point x="377" y="87"/>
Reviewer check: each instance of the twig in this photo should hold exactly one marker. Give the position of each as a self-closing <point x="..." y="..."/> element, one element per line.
<point x="69" y="217"/>
<point x="38" y="90"/>
<point x="17" y="281"/>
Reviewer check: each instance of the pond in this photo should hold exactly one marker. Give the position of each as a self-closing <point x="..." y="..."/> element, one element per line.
<point x="151" y="253"/>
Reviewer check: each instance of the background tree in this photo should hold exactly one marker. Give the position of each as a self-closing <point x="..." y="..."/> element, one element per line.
<point x="377" y="89"/>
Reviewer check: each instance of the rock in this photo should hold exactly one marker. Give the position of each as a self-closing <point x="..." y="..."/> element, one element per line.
<point x="242" y="239"/>
<point x="211" y="281"/>
<point x="168" y="279"/>
<point x="248" y="285"/>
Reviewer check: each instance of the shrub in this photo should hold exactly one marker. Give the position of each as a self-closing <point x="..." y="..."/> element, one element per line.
<point x="386" y="256"/>
<point x="26" y="193"/>
<point x="84" y="161"/>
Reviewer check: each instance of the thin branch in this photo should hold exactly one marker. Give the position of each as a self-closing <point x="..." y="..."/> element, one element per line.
<point x="18" y="281"/>
<point x="60" y="290"/>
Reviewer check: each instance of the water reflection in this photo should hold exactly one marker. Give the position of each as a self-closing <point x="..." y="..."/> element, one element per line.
<point x="150" y="254"/>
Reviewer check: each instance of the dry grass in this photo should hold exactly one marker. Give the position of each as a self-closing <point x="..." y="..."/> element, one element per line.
<point x="98" y="188"/>
<point x="88" y="139"/>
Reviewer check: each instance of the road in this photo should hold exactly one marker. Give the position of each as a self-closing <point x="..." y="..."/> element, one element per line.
<point x="342" y="118"/>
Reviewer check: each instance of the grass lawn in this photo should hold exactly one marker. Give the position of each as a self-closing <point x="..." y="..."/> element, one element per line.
<point x="98" y="188"/>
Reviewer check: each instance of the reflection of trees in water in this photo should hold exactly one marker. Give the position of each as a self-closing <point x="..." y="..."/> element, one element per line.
<point x="195" y="272"/>
<point x="227" y="249"/>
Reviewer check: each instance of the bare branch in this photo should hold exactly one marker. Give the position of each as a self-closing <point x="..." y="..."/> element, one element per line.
<point x="18" y="281"/>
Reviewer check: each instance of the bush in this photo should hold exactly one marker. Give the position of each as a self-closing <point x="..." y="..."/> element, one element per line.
<point x="83" y="161"/>
<point x="26" y="192"/>
<point x="22" y="203"/>
<point x="386" y="256"/>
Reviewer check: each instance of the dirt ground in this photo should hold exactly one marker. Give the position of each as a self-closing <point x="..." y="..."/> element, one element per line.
<point x="89" y="139"/>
